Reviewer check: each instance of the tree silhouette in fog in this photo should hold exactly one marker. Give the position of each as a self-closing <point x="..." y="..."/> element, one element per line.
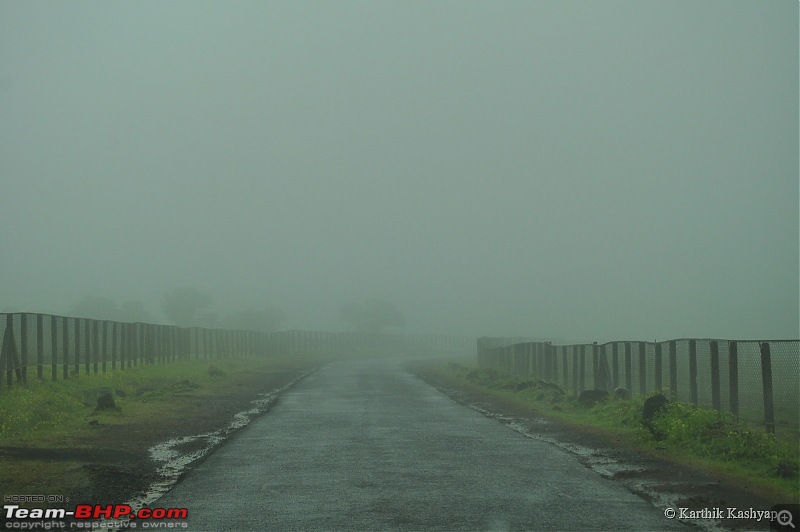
<point x="372" y="316"/>
<point x="104" y="308"/>
<point x="182" y="305"/>
<point x="268" y="319"/>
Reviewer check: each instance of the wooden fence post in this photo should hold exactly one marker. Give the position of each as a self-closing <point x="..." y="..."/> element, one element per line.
<point x="65" y="347"/>
<point x="628" y="368"/>
<point x="40" y="346"/>
<point x="715" y="396"/>
<point x="766" y="384"/>
<point x="642" y="369"/>
<point x="9" y="353"/>
<point x="114" y="338"/>
<point x="96" y="345"/>
<point x="673" y="368"/>
<point x="582" y="375"/>
<point x="105" y="344"/>
<point x="87" y="352"/>
<point x="733" y="378"/>
<point x="575" y="369"/>
<point x="693" y="370"/>
<point x="131" y="345"/>
<point x="23" y="346"/>
<point x="53" y="348"/>
<point x="77" y="369"/>
<point x="659" y="369"/>
<point x="614" y="365"/>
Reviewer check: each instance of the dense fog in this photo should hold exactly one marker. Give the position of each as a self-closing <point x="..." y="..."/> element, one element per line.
<point x="602" y="170"/>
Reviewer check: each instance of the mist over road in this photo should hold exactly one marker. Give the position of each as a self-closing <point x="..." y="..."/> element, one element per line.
<point x="366" y="446"/>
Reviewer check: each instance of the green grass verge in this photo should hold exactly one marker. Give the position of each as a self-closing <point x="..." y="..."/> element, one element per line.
<point x="55" y="414"/>
<point x="688" y="435"/>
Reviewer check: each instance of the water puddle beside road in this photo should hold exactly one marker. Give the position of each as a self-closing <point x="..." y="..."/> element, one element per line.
<point x="176" y="455"/>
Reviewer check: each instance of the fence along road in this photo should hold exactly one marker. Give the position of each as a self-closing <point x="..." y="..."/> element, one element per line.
<point x="367" y="446"/>
<point x="51" y="345"/>
<point x="755" y="381"/>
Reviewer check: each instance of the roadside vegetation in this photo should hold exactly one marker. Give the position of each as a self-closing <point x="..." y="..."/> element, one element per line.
<point x="683" y="433"/>
<point x="62" y="413"/>
<point x="87" y="437"/>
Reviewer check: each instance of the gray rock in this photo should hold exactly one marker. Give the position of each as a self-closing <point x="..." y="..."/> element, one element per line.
<point x="592" y="397"/>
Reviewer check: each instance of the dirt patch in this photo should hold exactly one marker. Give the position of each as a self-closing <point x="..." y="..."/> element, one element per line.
<point x="657" y="479"/>
<point x="114" y="464"/>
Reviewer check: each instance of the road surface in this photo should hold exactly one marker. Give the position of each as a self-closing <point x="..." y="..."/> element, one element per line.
<point x="368" y="446"/>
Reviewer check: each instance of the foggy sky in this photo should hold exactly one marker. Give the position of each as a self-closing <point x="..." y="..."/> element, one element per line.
<point x="577" y="170"/>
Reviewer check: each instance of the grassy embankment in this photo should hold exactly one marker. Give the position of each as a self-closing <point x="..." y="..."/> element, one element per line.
<point x="152" y="401"/>
<point x="695" y="437"/>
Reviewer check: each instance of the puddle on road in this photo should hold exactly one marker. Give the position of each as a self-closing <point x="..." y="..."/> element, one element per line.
<point x="176" y="455"/>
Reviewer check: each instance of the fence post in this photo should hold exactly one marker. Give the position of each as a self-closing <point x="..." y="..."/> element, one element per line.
<point x="582" y="374"/>
<point x="715" y="397"/>
<point x="595" y="367"/>
<point x="65" y="347"/>
<point x="693" y="370"/>
<point x="8" y="352"/>
<point x="131" y="333"/>
<point x="96" y="345"/>
<point x="615" y="365"/>
<point x="88" y="342"/>
<point x="564" y="366"/>
<point x="77" y="369"/>
<point x="659" y="369"/>
<point x="114" y="338"/>
<point x="733" y="378"/>
<point x="23" y="346"/>
<point x="40" y="346"/>
<point x="642" y="369"/>
<point x="53" y="347"/>
<point x="673" y="368"/>
<point x="766" y="384"/>
<point x="138" y="344"/>
<point x="105" y="344"/>
<point x="575" y="369"/>
<point x="628" y="368"/>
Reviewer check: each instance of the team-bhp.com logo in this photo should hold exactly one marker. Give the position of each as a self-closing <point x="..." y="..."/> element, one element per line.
<point x="96" y="511"/>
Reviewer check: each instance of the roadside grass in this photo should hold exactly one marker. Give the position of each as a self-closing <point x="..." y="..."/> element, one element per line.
<point x="696" y="437"/>
<point x="57" y="414"/>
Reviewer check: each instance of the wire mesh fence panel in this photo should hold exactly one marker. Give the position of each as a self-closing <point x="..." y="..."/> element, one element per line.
<point x="682" y="371"/>
<point x="786" y="382"/>
<point x="751" y="395"/>
<point x="724" y="375"/>
<point x="650" y="358"/>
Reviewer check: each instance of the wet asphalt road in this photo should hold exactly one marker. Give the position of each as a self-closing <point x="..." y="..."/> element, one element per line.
<point x="367" y="446"/>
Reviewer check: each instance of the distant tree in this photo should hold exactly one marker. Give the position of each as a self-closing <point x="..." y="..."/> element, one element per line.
<point x="373" y="315"/>
<point x="182" y="305"/>
<point x="134" y="311"/>
<point x="208" y="319"/>
<point x="96" y="307"/>
<point x="103" y="308"/>
<point x="267" y="319"/>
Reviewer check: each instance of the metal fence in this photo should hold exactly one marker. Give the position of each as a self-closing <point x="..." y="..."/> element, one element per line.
<point x="59" y="347"/>
<point x="754" y="381"/>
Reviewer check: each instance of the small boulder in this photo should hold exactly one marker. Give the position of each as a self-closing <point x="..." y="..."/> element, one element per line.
<point x="787" y="469"/>
<point x="105" y="401"/>
<point x="592" y="397"/>
<point x="653" y="406"/>
<point x="622" y="393"/>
